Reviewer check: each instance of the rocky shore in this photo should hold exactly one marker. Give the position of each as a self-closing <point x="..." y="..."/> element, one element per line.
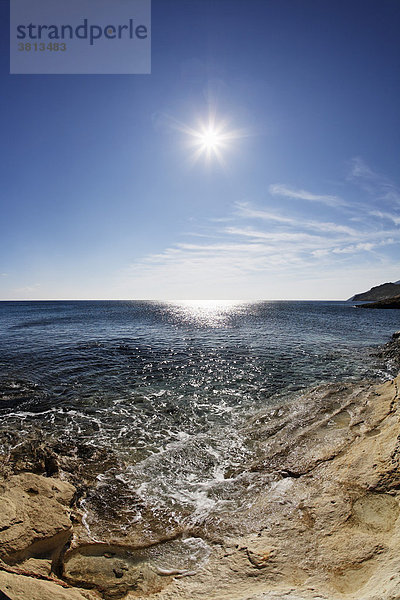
<point x="386" y="303"/>
<point x="320" y="523"/>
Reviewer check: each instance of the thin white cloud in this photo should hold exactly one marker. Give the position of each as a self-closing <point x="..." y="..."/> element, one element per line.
<point x="363" y="246"/>
<point x="354" y="248"/>
<point x="278" y="189"/>
<point x="358" y="168"/>
<point x="331" y="228"/>
<point x="245" y="210"/>
<point x="221" y="219"/>
<point x="245" y="249"/>
<point x="373" y="182"/>
<point x="386" y="215"/>
<point x="320" y="252"/>
<point x="240" y="252"/>
<point x="271" y="237"/>
<point x="214" y="248"/>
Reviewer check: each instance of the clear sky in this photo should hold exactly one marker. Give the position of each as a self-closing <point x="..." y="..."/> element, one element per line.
<point x="104" y="195"/>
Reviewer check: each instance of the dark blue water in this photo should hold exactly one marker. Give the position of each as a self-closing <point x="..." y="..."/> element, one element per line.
<point x="167" y="385"/>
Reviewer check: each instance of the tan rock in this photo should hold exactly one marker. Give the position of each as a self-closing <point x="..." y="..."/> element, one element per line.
<point x="37" y="566"/>
<point x="19" y="587"/>
<point x="112" y="577"/>
<point x="34" y="516"/>
<point x="328" y="529"/>
<point x="322" y="521"/>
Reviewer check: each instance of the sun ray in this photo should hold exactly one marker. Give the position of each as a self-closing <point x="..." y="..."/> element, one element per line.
<point x="211" y="139"/>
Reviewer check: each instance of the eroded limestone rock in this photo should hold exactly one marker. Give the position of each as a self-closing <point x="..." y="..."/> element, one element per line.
<point x="321" y="521"/>
<point x="34" y="516"/>
<point x="20" y="587"/>
<point x="112" y="571"/>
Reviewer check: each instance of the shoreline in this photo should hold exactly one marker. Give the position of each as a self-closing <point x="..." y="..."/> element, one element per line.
<point x="321" y="521"/>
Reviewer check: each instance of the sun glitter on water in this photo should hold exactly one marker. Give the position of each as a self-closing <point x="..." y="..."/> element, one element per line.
<point x="206" y="313"/>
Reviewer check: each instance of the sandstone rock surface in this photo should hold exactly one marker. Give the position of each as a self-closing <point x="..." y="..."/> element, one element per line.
<point x="20" y="587"/>
<point x="320" y="520"/>
<point x="328" y="529"/>
<point x="34" y="516"/>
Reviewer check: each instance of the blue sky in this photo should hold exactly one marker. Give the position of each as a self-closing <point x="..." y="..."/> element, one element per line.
<point x="101" y="195"/>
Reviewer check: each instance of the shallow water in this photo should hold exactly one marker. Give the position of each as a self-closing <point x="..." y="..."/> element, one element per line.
<point x="169" y="387"/>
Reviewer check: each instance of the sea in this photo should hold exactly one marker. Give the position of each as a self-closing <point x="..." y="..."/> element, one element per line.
<point x="169" y="388"/>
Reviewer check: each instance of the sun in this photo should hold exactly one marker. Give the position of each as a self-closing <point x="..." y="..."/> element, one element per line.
<point x="210" y="139"/>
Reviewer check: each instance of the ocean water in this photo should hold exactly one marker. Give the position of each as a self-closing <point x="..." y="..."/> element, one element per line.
<point x="168" y="387"/>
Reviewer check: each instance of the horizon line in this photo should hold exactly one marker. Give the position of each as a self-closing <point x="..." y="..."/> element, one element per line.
<point x="175" y="300"/>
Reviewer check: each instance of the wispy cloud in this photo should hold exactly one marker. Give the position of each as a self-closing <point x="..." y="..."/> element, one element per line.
<point x="271" y="236"/>
<point x="374" y="182"/>
<point x="367" y="246"/>
<point x="385" y="215"/>
<point x="278" y="189"/>
<point x="215" y="248"/>
<point x="243" y="253"/>
<point x="358" y="168"/>
<point x="247" y="211"/>
<point x="253" y="243"/>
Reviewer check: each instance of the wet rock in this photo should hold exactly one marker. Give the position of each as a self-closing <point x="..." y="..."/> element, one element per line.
<point x="50" y="464"/>
<point x="114" y="570"/>
<point x="331" y="533"/>
<point x="321" y="521"/>
<point x="391" y="353"/>
<point x="114" y="575"/>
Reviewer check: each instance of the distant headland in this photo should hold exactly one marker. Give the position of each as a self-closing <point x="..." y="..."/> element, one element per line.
<point x="386" y="295"/>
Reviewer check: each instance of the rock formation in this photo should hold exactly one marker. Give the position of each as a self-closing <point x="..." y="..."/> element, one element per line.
<point x="320" y="518"/>
<point x="387" y="303"/>
<point x="378" y="292"/>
